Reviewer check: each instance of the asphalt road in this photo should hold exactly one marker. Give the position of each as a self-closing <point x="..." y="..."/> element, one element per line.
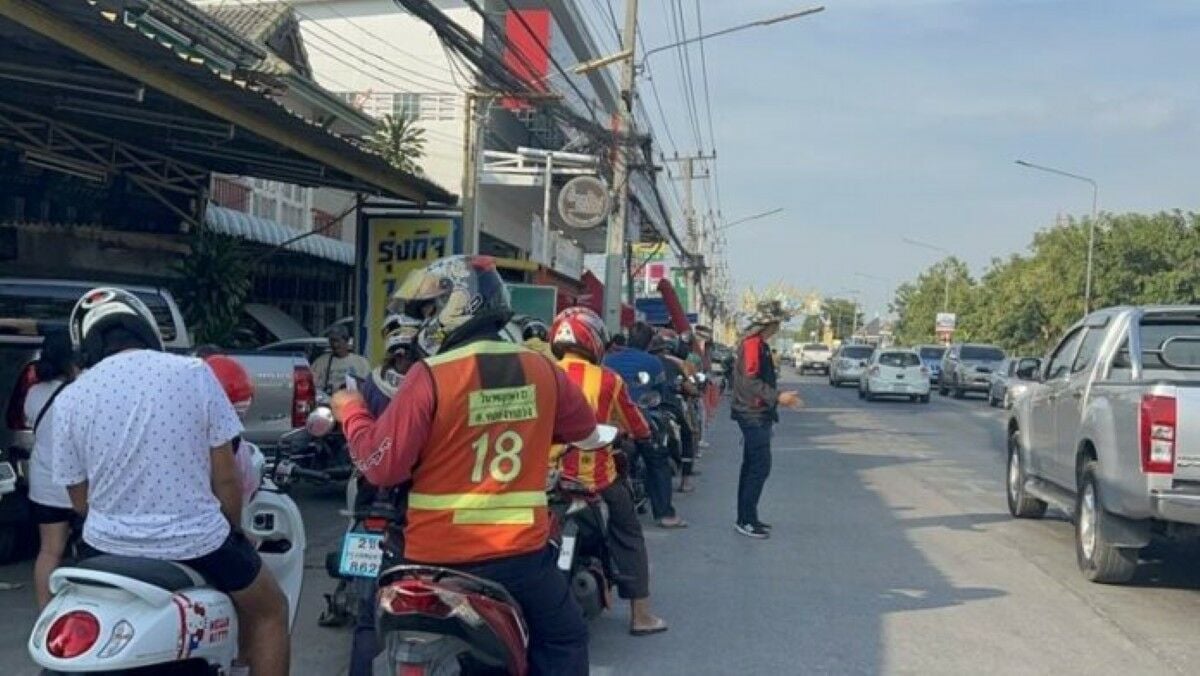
<point x="892" y="553"/>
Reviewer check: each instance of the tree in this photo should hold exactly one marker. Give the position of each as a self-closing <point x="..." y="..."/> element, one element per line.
<point x="946" y="286"/>
<point x="400" y="142"/>
<point x="843" y="316"/>
<point x="214" y="280"/>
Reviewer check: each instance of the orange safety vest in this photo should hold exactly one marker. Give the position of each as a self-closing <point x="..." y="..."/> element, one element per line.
<point x="479" y="485"/>
<point x="596" y="470"/>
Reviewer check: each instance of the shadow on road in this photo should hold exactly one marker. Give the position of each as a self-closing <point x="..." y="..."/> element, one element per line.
<point x="815" y="598"/>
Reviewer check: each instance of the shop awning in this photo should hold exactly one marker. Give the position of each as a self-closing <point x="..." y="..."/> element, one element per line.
<point x="168" y="78"/>
<point x="264" y="231"/>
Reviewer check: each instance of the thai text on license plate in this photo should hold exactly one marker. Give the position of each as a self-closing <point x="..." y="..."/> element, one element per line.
<point x="362" y="554"/>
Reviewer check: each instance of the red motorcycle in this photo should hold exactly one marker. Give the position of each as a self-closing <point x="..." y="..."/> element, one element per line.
<point x="434" y="621"/>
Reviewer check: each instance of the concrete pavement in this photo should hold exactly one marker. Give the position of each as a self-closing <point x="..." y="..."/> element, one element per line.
<point x="892" y="553"/>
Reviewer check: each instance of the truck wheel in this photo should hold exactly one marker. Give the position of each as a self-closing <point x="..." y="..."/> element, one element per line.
<point x="1099" y="560"/>
<point x="861" y="394"/>
<point x="958" y="392"/>
<point x="942" y="388"/>
<point x="1020" y="504"/>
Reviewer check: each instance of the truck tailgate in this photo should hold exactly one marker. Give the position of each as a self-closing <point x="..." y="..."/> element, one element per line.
<point x="270" y="413"/>
<point x="1187" y="432"/>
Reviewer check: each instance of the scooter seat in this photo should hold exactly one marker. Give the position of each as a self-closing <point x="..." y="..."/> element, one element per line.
<point x="166" y="575"/>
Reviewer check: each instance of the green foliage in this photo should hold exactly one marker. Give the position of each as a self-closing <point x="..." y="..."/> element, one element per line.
<point x="214" y="280"/>
<point x="401" y="142"/>
<point x="1024" y="303"/>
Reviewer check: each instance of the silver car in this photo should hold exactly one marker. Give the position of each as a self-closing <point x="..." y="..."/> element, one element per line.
<point x="848" y="364"/>
<point x="1006" y="384"/>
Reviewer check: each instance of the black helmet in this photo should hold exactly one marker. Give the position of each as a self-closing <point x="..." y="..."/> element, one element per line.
<point x="534" y="328"/>
<point x="664" y="341"/>
<point x="101" y="310"/>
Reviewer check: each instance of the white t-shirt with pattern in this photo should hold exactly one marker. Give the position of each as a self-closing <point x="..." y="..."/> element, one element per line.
<point x="140" y="427"/>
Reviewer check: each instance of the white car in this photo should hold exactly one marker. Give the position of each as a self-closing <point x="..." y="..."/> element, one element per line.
<point x="895" y="373"/>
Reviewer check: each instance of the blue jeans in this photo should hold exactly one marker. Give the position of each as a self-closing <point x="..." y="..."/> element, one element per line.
<point x="558" y="636"/>
<point x="756" y="467"/>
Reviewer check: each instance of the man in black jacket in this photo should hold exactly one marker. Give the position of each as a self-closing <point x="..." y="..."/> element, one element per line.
<point x="756" y="398"/>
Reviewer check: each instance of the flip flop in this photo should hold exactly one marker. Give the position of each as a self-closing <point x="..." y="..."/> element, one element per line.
<point x="647" y="631"/>
<point x="672" y="526"/>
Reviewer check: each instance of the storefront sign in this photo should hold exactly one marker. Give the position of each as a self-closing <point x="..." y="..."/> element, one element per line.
<point x="583" y="202"/>
<point x="389" y="247"/>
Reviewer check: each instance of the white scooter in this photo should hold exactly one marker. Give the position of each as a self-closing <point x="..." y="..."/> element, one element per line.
<point x="116" y="613"/>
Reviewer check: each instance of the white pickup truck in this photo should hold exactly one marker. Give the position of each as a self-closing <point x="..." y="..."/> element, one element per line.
<point x="1110" y="433"/>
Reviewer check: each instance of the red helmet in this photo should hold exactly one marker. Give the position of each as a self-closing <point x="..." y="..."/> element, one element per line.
<point x="234" y="380"/>
<point x="580" y="330"/>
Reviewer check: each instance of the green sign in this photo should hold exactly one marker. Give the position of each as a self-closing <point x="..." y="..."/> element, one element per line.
<point x="679" y="280"/>
<point x="539" y="302"/>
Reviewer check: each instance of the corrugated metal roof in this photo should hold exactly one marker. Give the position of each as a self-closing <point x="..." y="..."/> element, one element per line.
<point x="264" y="231"/>
<point x="255" y="22"/>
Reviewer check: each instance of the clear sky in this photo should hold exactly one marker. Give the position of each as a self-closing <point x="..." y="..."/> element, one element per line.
<point x="883" y="119"/>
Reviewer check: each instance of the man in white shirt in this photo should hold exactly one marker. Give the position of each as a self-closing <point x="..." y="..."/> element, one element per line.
<point x="142" y="441"/>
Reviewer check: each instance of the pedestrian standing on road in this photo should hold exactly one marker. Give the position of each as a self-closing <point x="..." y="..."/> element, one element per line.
<point x="756" y="399"/>
<point x="51" y="506"/>
<point x="332" y="367"/>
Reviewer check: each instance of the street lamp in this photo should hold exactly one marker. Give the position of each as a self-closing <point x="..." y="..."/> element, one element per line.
<point x="739" y="221"/>
<point x="945" y="268"/>
<point x="588" y="66"/>
<point x="1087" y="284"/>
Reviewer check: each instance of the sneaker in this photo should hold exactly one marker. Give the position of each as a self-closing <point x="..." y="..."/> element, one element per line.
<point x="763" y="526"/>
<point x="751" y="530"/>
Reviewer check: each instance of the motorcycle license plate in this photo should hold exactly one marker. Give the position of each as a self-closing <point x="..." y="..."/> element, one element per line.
<point x="362" y="554"/>
<point x="566" y="553"/>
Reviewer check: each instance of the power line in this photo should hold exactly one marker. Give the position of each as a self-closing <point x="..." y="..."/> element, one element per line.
<point x="712" y="135"/>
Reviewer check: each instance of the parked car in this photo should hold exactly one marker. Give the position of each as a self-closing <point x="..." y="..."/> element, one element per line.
<point x="895" y="372"/>
<point x="1006" y="384"/>
<point x="848" y="363"/>
<point x="814" y="357"/>
<point x="1108" y="434"/>
<point x="931" y="357"/>
<point x="968" y="368"/>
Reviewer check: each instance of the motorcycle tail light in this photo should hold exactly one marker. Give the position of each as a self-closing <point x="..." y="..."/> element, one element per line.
<point x="375" y="524"/>
<point x="414" y="596"/>
<point x="73" y="634"/>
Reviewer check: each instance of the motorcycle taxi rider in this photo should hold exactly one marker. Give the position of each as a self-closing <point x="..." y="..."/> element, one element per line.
<point x="474" y="435"/>
<point x="578" y="338"/>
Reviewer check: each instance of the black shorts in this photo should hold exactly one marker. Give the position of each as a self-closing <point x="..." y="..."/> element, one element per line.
<point x="45" y="514"/>
<point x="231" y="568"/>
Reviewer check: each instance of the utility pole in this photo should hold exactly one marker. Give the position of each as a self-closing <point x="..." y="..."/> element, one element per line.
<point x="472" y="149"/>
<point x="696" y="235"/>
<point x="615" y="249"/>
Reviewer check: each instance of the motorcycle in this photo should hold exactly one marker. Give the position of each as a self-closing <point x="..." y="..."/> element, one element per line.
<point x="327" y="455"/>
<point x="434" y="620"/>
<point x="579" y="522"/>
<point x="111" y="614"/>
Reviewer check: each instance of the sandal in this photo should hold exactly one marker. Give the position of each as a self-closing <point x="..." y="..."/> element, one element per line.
<point x="658" y="628"/>
<point x="671" y="525"/>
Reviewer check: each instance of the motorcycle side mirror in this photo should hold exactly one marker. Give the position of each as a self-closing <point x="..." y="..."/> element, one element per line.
<point x="320" y="422"/>
<point x="643" y="378"/>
